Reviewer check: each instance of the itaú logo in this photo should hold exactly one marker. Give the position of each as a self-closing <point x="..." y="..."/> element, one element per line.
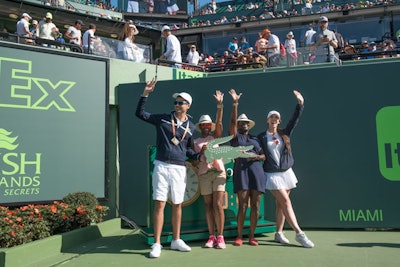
<point x="19" y="172"/>
<point x="388" y="137"/>
<point x="20" y="90"/>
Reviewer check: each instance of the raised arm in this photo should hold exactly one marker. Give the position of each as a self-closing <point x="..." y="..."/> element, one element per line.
<point x="299" y="97"/>
<point x="233" y="124"/>
<point x="219" y="97"/>
<point x="149" y="88"/>
<point x="297" y="113"/>
<point x="140" y="112"/>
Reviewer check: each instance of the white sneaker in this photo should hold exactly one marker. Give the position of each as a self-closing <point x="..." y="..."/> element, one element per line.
<point x="180" y="245"/>
<point x="155" y="250"/>
<point x="303" y="240"/>
<point x="281" y="238"/>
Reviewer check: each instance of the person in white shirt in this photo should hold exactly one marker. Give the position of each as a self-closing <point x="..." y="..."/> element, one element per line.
<point x="127" y="49"/>
<point x="273" y="48"/>
<point x="173" y="46"/>
<point x="290" y="46"/>
<point x="74" y="33"/>
<point x="23" y="26"/>
<point x="89" y="39"/>
<point x="193" y="56"/>
<point x="47" y="29"/>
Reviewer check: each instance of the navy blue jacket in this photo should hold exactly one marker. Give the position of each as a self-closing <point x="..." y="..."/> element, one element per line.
<point x="286" y="160"/>
<point x="166" y="150"/>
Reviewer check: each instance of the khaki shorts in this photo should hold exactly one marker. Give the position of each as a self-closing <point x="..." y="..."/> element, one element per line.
<point x="212" y="181"/>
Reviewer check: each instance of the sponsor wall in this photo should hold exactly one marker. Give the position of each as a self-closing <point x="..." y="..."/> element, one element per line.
<point x="346" y="146"/>
<point x="53" y="110"/>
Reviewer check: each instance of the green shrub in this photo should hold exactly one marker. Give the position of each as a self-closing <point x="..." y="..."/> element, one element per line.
<point x="33" y="222"/>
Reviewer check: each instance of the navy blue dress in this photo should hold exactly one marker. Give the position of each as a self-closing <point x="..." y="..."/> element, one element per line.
<point x="248" y="174"/>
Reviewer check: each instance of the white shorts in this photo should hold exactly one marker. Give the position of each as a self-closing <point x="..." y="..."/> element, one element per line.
<point x="169" y="181"/>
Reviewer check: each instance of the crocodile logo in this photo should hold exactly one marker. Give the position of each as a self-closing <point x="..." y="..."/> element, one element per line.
<point x="226" y="153"/>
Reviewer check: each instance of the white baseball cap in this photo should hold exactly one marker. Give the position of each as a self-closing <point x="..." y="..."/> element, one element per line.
<point x="184" y="95"/>
<point x="273" y="112"/>
<point x="165" y="27"/>
<point x="26" y="15"/>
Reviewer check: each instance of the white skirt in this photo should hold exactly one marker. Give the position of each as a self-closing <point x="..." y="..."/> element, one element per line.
<point x="281" y="180"/>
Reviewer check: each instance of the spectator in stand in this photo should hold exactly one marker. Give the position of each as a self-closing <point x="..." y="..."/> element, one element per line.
<point x="243" y="44"/>
<point x="23" y="26"/>
<point x="261" y="45"/>
<point x="35" y="29"/>
<point x="74" y="33"/>
<point x="89" y="39"/>
<point x="149" y="6"/>
<point x="371" y="49"/>
<point x="340" y="40"/>
<point x="126" y="45"/>
<point x="387" y="46"/>
<point x="291" y="52"/>
<point x="47" y="29"/>
<point x="193" y="56"/>
<point x="224" y="20"/>
<point x="308" y="7"/>
<point x="213" y="6"/>
<point x="173" y="46"/>
<point x="172" y="7"/>
<point x="257" y="58"/>
<point x="324" y="42"/>
<point x="229" y="9"/>
<point x="133" y="6"/>
<point x="326" y="8"/>
<point x="273" y="48"/>
<point x="60" y="38"/>
<point x="233" y="45"/>
<point x="307" y="39"/>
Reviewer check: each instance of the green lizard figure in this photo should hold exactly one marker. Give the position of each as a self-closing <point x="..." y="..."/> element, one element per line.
<point x="226" y="153"/>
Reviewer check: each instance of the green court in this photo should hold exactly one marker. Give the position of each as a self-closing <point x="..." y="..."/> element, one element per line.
<point x="110" y="245"/>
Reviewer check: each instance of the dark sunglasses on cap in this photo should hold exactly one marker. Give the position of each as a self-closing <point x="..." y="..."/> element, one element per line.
<point x="180" y="103"/>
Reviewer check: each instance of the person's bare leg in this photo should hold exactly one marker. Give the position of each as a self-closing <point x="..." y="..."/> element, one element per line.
<point x="243" y="199"/>
<point x="285" y="204"/>
<point x="218" y="199"/>
<point x="208" y="201"/>
<point x="255" y="198"/>
<point x="158" y="217"/>
<point x="176" y="220"/>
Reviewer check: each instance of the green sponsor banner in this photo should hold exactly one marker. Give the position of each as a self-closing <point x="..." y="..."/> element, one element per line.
<point x="52" y="131"/>
<point x="388" y="137"/>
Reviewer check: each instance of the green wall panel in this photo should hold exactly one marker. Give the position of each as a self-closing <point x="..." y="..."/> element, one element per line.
<point x="350" y="113"/>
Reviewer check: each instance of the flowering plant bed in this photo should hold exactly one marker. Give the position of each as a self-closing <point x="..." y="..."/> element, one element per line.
<point x="32" y="222"/>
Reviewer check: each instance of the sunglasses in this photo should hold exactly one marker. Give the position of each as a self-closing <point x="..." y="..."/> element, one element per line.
<point x="205" y="125"/>
<point x="180" y="103"/>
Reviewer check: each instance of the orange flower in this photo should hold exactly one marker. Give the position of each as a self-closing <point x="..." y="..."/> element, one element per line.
<point x="53" y="209"/>
<point x="99" y="207"/>
<point x="12" y="233"/>
<point x="64" y="217"/>
<point x="19" y="219"/>
<point x="36" y="211"/>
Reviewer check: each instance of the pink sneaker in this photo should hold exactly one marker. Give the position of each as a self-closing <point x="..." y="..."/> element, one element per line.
<point x="221" y="242"/>
<point x="211" y="242"/>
